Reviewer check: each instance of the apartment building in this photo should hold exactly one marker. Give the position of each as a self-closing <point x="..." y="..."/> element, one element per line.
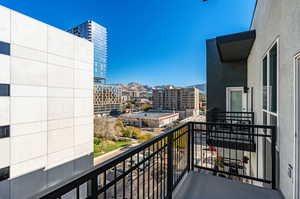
<point x="258" y="71"/>
<point x="107" y="99"/>
<point x="189" y="98"/>
<point x="183" y="100"/>
<point x="46" y="105"/>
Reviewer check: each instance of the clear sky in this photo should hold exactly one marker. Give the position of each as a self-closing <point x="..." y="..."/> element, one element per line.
<point x="152" y="42"/>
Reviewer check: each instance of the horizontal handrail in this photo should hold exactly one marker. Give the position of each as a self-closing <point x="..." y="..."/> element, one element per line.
<point x="238" y="125"/>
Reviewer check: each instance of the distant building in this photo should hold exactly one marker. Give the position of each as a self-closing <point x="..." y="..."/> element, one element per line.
<point x="134" y="94"/>
<point x="150" y="119"/>
<point x="183" y="100"/>
<point x="107" y="98"/>
<point x="146" y="95"/>
<point x="97" y="34"/>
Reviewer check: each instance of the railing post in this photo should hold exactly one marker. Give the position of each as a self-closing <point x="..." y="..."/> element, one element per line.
<point x="192" y="134"/>
<point x="170" y="166"/>
<point x="189" y="146"/>
<point x="94" y="187"/>
<point x="274" y="162"/>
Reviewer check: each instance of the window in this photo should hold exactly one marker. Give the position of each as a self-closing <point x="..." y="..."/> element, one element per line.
<point x="4" y="90"/>
<point x="273" y="79"/>
<point x="4" y="173"/>
<point x="4" y="48"/>
<point x="4" y="131"/>
<point x="265" y="80"/>
<point x="269" y="80"/>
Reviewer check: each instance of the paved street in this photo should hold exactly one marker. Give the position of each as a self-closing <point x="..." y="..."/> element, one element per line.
<point x="146" y="181"/>
<point x="112" y="154"/>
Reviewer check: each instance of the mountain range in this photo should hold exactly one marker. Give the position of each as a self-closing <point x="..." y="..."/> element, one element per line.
<point x="201" y="87"/>
<point x="134" y="86"/>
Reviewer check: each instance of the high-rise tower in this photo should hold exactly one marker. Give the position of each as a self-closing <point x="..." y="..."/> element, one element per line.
<point x="97" y="34"/>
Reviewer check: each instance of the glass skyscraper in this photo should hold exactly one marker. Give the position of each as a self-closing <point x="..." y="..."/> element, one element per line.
<point x="97" y="34"/>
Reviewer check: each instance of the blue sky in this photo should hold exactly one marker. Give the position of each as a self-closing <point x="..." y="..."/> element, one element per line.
<point x="152" y="42"/>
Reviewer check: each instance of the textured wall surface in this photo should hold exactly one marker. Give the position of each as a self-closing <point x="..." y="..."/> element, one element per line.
<point x="277" y="19"/>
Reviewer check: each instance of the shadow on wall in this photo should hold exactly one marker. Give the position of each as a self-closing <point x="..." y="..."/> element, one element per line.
<point x="32" y="183"/>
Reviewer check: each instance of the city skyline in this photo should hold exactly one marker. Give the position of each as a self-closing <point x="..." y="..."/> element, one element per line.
<point x="145" y="45"/>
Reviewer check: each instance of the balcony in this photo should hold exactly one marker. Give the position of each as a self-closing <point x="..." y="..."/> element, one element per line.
<point x="189" y="161"/>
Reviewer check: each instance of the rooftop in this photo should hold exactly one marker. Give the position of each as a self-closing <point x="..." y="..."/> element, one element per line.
<point x="148" y="115"/>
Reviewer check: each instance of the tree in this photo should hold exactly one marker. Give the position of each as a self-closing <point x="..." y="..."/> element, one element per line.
<point x="106" y="128"/>
<point x="146" y="107"/>
<point x="131" y="132"/>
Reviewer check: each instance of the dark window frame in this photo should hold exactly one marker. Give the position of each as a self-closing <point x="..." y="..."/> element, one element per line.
<point x="4" y="48"/>
<point x="4" y="173"/>
<point x="4" y="90"/>
<point x="4" y="131"/>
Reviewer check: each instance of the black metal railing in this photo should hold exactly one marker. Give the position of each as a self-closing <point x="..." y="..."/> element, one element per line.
<point x="230" y="117"/>
<point x="151" y="170"/>
<point x="154" y="169"/>
<point x="230" y="153"/>
<point x="243" y="139"/>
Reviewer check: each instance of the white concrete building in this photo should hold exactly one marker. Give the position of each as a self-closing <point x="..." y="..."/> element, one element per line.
<point x="150" y="119"/>
<point x="46" y="105"/>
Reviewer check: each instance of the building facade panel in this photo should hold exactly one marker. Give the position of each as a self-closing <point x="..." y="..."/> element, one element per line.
<point x="28" y="32"/>
<point x="60" y="139"/>
<point x="5" y="69"/>
<point x="83" y="79"/>
<point x="4" y="109"/>
<point x="28" y="53"/>
<point x="31" y="73"/>
<point x="37" y="106"/>
<point x="60" y="108"/>
<point x="28" y="128"/>
<point x="5" y="24"/>
<point x="83" y="107"/>
<point x="27" y="91"/>
<point x="22" y="151"/>
<point x="60" y="76"/>
<point x="21" y="109"/>
<point x="60" y="61"/>
<point x="64" y="46"/>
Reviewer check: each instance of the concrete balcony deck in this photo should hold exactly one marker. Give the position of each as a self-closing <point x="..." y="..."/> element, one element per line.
<point x="203" y="186"/>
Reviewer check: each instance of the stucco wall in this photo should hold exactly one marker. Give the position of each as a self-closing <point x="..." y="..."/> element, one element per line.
<point x="277" y="19"/>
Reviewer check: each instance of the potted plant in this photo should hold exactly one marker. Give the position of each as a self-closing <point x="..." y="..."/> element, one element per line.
<point x="219" y="163"/>
<point x="245" y="159"/>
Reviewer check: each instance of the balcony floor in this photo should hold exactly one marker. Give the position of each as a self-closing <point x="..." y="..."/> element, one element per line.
<point x="203" y="186"/>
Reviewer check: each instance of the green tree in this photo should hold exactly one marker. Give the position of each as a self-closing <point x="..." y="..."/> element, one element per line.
<point x="146" y="107"/>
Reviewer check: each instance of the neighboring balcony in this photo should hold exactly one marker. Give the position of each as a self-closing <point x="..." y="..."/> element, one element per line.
<point x="227" y="159"/>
